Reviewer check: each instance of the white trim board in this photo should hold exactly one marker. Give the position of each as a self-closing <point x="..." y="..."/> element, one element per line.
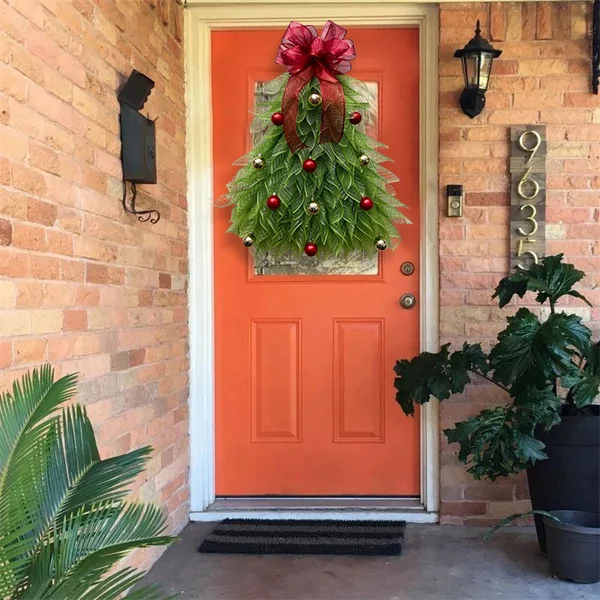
<point x="200" y="20"/>
<point x="340" y="515"/>
<point x="205" y="3"/>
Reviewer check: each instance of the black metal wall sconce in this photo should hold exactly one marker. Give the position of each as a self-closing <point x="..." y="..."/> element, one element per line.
<point x="477" y="57"/>
<point x="596" y="46"/>
<point x="138" y="142"/>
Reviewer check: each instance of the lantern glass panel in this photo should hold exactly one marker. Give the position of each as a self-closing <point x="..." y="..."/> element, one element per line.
<point x="485" y="69"/>
<point x="471" y="70"/>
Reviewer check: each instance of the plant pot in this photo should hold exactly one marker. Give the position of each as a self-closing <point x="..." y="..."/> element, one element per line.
<point x="570" y="478"/>
<point x="574" y="545"/>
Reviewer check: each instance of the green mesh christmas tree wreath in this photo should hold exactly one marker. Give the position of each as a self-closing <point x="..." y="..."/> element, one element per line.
<point x="314" y="182"/>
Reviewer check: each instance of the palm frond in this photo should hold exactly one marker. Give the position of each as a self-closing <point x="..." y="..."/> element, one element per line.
<point x="84" y="547"/>
<point x="113" y="586"/>
<point x="29" y="434"/>
<point x="63" y="520"/>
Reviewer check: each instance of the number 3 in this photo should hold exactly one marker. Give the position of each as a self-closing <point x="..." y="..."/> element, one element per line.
<point x="534" y="223"/>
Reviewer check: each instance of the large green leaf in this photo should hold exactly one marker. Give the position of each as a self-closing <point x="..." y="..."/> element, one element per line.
<point x="587" y="390"/>
<point x="497" y="442"/>
<point x="437" y="375"/>
<point x="550" y="278"/>
<point x="530" y="353"/>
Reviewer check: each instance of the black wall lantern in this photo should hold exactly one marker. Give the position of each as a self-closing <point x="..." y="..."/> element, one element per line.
<point x="138" y="142"/>
<point x="596" y="46"/>
<point x="477" y="57"/>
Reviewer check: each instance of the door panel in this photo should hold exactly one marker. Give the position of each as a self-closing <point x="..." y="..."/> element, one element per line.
<point x="304" y="349"/>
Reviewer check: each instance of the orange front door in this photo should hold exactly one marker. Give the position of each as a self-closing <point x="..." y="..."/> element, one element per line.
<point x="304" y="354"/>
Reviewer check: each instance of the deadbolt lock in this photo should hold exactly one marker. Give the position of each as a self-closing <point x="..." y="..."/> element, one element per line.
<point x="407" y="268"/>
<point x="407" y="301"/>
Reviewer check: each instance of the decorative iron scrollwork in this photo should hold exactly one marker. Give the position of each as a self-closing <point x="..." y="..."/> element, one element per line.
<point x="143" y="215"/>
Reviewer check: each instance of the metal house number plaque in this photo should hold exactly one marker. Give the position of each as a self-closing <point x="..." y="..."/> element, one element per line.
<point x="528" y="195"/>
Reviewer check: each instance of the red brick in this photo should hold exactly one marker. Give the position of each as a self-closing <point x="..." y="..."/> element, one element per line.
<point x="28" y="180"/>
<point x="528" y="15"/>
<point x="43" y="158"/>
<point x="72" y="270"/>
<point x="29" y="237"/>
<point x="6" y="168"/>
<point x="41" y="212"/>
<point x="561" y="21"/>
<point x="29" y="350"/>
<point x="6" y="232"/>
<point x="30" y="294"/>
<point x="4" y="110"/>
<point x="497" y="21"/>
<point x="136" y="357"/>
<point x="75" y="320"/>
<point x="5" y="355"/>
<point x="164" y="280"/>
<point x="463" y="508"/>
<point x="59" y="242"/>
<point x="544" y="21"/>
<point x="44" y="267"/>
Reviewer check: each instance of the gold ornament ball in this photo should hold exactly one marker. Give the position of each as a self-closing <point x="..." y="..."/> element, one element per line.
<point x="313" y="208"/>
<point x="248" y="240"/>
<point x="381" y="244"/>
<point x="258" y="162"/>
<point x="315" y="99"/>
<point x="364" y="160"/>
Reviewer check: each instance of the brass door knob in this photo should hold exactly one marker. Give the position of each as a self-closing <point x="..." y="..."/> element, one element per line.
<point x="407" y="301"/>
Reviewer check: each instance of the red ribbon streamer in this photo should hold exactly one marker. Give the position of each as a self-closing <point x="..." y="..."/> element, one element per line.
<point x="306" y="55"/>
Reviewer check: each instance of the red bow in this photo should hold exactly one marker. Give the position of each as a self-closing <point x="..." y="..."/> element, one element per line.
<point x="306" y="55"/>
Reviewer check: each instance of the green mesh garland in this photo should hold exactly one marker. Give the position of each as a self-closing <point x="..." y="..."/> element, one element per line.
<point x="340" y="227"/>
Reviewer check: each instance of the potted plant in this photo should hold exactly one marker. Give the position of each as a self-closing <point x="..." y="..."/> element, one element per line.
<point x="548" y="365"/>
<point x="64" y="520"/>
<point x="573" y="541"/>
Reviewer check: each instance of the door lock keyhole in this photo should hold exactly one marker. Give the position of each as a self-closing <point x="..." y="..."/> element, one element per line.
<point x="407" y="301"/>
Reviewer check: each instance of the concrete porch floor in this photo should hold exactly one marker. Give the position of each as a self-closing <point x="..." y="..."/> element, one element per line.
<point x="438" y="563"/>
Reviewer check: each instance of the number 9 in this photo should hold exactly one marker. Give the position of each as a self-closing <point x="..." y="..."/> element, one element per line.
<point x="535" y="147"/>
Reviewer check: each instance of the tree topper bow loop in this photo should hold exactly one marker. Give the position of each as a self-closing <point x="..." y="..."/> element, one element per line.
<point x="307" y="55"/>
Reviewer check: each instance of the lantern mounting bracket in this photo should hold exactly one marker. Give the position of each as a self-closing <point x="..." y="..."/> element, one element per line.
<point x="472" y="102"/>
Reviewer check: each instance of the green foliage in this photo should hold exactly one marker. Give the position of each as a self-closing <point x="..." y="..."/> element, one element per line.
<point x="508" y="520"/>
<point x="439" y="375"/>
<point x="529" y="352"/>
<point x="551" y="279"/>
<point x="495" y="437"/>
<point x="64" y="521"/>
<point x="338" y="184"/>
<point x="530" y="362"/>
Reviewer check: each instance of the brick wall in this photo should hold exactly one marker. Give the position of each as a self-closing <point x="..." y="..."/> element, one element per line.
<point x="82" y="285"/>
<point x="543" y="76"/>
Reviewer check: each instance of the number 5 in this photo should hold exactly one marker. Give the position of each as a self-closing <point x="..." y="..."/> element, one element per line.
<point x="521" y="252"/>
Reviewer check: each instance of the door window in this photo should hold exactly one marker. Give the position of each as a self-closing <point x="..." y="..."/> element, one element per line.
<point x="357" y="263"/>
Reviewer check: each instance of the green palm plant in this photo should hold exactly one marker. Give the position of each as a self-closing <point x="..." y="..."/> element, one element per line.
<point x="64" y="520"/>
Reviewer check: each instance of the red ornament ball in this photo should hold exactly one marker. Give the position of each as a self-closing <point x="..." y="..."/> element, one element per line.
<point x="277" y="118"/>
<point x="273" y="202"/>
<point x="310" y="249"/>
<point x="366" y="203"/>
<point x="310" y="165"/>
<point x="355" y="118"/>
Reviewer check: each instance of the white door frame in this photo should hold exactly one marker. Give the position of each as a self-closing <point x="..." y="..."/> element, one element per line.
<point x="203" y="17"/>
